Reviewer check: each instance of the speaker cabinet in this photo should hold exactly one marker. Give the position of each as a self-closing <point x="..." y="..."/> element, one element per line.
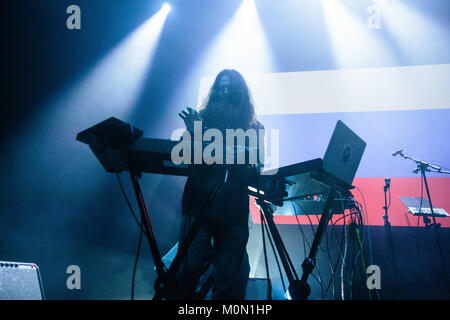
<point x="20" y="281"/>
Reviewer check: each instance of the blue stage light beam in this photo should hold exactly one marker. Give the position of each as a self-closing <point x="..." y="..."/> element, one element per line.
<point x="241" y="45"/>
<point x="418" y="36"/>
<point x="109" y="89"/>
<point x="166" y="8"/>
<point x="115" y="83"/>
<point x="353" y="43"/>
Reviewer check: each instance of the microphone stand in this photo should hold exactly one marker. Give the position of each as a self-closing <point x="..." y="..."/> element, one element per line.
<point x="423" y="166"/>
<point x="387" y="227"/>
<point x="386" y="188"/>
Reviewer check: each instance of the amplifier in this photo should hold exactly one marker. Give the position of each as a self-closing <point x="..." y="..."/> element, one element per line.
<point x="20" y="281"/>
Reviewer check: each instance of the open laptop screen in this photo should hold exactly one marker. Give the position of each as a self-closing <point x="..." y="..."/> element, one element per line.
<point x="344" y="153"/>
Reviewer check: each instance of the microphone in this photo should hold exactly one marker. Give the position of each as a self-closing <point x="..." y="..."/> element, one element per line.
<point x="388" y="182"/>
<point x="397" y="152"/>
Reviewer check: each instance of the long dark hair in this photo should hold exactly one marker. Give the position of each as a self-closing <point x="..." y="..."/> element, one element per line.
<point x="236" y="111"/>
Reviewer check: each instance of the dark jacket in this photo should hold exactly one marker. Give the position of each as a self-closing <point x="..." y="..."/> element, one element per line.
<point x="231" y="204"/>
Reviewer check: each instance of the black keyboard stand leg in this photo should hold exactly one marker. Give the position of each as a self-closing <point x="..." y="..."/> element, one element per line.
<point x="165" y="283"/>
<point x="298" y="289"/>
<point x="145" y="218"/>
<point x="310" y="262"/>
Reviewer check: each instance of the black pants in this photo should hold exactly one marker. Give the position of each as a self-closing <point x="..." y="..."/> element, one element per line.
<point x="224" y="247"/>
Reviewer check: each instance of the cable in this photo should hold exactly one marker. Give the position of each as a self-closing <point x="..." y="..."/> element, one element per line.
<point x="304" y="238"/>
<point x="305" y="242"/>
<point x="344" y="216"/>
<point x="301" y="229"/>
<point x="357" y="228"/>
<point x="310" y="222"/>
<point x="341" y="243"/>
<point x="330" y="261"/>
<point x="133" y="278"/>
<point x="357" y="218"/>
<point x="319" y="277"/>
<point x="129" y="204"/>
<point x="357" y="232"/>
<point x="367" y="216"/>
<point x="333" y="270"/>
<point x="269" y="285"/>
<point x="142" y="231"/>
<point x="275" y="255"/>
<point x="343" y="263"/>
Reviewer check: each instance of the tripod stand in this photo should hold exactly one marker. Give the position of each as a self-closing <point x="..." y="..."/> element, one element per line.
<point x="388" y="231"/>
<point x="423" y="167"/>
<point x="299" y="288"/>
<point x="165" y="282"/>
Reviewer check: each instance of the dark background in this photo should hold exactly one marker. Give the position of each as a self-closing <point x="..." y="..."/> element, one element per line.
<point x="58" y="207"/>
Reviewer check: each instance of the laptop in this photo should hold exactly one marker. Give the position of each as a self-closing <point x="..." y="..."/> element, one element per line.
<point x="421" y="207"/>
<point x="341" y="161"/>
<point x="344" y="153"/>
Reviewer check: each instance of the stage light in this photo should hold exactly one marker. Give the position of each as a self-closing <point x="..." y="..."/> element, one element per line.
<point x="241" y="45"/>
<point x="352" y="42"/>
<point x="109" y="88"/>
<point x="166" y="8"/>
<point x="416" y="35"/>
<point x="112" y="87"/>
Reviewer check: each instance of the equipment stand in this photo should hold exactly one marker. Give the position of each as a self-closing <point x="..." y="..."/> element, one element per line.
<point x="310" y="262"/>
<point x="298" y="288"/>
<point x="423" y="167"/>
<point x="387" y="227"/>
<point x="165" y="282"/>
<point x="147" y="224"/>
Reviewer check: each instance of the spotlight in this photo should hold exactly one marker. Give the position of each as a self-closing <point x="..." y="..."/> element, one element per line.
<point x="166" y="8"/>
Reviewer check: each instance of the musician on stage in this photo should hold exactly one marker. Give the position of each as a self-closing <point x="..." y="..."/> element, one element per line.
<point x="223" y="236"/>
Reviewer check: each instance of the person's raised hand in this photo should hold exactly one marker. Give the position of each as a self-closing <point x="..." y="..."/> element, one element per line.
<point x="189" y="117"/>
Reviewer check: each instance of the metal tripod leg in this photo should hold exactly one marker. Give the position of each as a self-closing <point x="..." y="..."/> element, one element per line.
<point x="147" y="224"/>
<point x="310" y="262"/>
<point x="436" y="231"/>
<point x="297" y="289"/>
<point x="166" y="281"/>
